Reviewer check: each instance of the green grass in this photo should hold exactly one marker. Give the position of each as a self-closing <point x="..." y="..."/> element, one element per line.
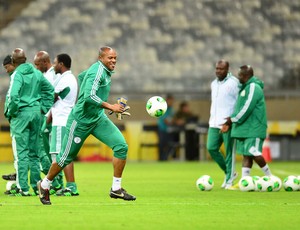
<point x="167" y="198"/>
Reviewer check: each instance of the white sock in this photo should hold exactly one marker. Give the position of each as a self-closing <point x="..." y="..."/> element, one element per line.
<point x="116" y="185"/>
<point x="266" y="170"/>
<point x="245" y="171"/>
<point x="46" y="183"/>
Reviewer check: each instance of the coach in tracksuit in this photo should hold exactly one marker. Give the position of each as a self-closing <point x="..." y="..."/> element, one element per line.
<point x="224" y="93"/>
<point x="29" y="94"/>
<point x="249" y="121"/>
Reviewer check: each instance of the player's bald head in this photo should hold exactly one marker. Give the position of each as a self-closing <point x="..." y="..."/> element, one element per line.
<point x="18" y="56"/>
<point x="42" y="56"/>
<point x="223" y="62"/>
<point x="246" y="70"/>
<point x="104" y="50"/>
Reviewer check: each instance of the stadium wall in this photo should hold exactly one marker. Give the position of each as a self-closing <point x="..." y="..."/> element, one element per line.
<point x="283" y="116"/>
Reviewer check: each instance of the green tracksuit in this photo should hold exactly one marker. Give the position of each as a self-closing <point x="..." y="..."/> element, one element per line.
<point x="88" y="117"/>
<point x="29" y="94"/>
<point x="80" y="77"/>
<point x="249" y="119"/>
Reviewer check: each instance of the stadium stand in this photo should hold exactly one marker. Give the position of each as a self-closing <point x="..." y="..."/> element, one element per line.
<point x="162" y="43"/>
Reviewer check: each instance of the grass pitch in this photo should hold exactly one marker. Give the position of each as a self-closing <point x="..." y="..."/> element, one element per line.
<point x="167" y="198"/>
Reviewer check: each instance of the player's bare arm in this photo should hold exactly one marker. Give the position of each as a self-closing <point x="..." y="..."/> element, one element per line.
<point x="117" y="108"/>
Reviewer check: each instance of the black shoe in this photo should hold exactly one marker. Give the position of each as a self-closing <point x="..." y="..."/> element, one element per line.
<point x="121" y="194"/>
<point x="43" y="194"/>
<point x="11" y="176"/>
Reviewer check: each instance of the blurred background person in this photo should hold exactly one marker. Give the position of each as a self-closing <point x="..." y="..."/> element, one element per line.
<point x="190" y="140"/>
<point x="184" y="114"/>
<point x="165" y="137"/>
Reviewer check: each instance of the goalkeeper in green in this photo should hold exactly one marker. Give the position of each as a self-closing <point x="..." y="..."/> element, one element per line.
<point x="88" y="117"/>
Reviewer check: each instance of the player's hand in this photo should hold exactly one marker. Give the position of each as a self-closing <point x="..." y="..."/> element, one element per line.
<point x="116" y="108"/>
<point x="121" y="108"/>
<point x="124" y="113"/>
<point x="224" y="128"/>
<point x="228" y="121"/>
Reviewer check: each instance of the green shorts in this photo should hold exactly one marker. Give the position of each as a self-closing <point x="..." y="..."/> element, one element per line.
<point x="76" y="133"/>
<point x="249" y="146"/>
<point x="57" y="136"/>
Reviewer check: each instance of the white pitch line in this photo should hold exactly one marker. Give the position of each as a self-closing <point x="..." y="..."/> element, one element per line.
<point x="283" y="172"/>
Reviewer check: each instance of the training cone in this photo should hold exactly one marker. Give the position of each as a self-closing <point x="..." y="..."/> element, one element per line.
<point x="266" y="150"/>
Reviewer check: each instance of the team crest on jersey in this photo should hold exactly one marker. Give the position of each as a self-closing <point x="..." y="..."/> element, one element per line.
<point x="77" y="140"/>
<point x="243" y="93"/>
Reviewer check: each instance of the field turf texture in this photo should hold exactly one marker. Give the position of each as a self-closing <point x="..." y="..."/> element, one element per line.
<point x="167" y="198"/>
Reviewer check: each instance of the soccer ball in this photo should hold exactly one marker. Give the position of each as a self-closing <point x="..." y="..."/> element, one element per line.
<point x="10" y="184"/>
<point x="246" y="184"/>
<point x="265" y="184"/>
<point x="291" y="183"/>
<point x="156" y="106"/>
<point x="255" y="180"/>
<point x="277" y="183"/>
<point x="205" y="183"/>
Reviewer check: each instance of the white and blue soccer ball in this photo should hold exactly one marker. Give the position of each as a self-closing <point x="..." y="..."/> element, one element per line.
<point x="277" y="183"/>
<point x="205" y="183"/>
<point x="265" y="184"/>
<point x="291" y="183"/>
<point x="246" y="184"/>
<point x="156" y="106"/>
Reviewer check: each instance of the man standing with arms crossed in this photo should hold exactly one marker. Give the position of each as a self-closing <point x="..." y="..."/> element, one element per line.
<point x="224" y="93"/>
<point x="88" y="117"/>
<point x="65" y="86"/>
<point x="65" y="89"/>
<point x="28" y="95"/>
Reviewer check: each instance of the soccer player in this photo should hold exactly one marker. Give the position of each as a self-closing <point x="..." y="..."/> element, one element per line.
<point x="9" y="68"/>
<point x="224" y="93"/>
<point x="249" y="121"/>
<point x="62" y="108"/>
<point x="88" y="117"/>
<point x="65" y="88"/>
<point x="29" y="94"/>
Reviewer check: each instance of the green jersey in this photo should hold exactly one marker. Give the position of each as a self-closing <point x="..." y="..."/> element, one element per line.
<point x="94" y="90"/>
<point x="28" y="90"/>
<point x="80" y="77"/>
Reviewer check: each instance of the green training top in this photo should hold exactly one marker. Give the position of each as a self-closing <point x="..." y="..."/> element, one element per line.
<point x="29" y="90"/>
<point x="80" y="77"/>
<point x="94" y="89"/>
<point x="249" y="117"/>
